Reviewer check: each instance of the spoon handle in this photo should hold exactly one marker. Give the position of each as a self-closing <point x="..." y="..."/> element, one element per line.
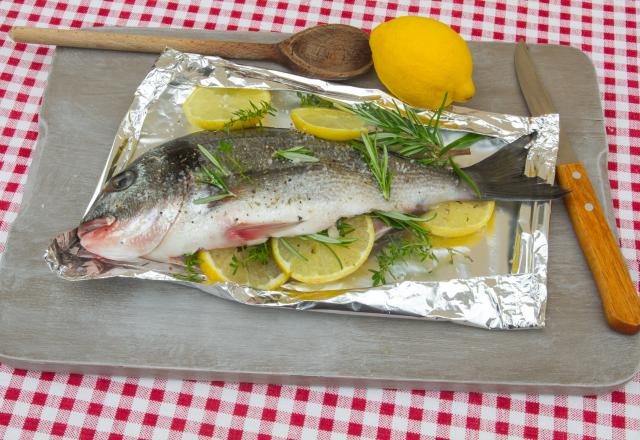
<point x="143" y="43"/>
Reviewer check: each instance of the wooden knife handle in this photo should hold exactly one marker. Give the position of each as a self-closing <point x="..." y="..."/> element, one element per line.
<point x="620" y="300"/>
<point x="143" y="43"/>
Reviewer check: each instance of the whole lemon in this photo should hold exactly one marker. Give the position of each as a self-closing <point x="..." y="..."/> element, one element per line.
<point x="420" y="59"/>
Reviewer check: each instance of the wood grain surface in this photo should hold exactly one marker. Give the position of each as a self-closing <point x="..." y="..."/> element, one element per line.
<point x="619" y="297"/>
<point x="331" y="52"/>
<point x="89" y="39"/>
<point x="128" y="326"/>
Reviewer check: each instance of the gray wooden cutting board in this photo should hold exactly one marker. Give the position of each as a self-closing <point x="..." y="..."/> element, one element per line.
<point x="126" y="326"/>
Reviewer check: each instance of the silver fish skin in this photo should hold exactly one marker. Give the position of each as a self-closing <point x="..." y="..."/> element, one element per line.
<point x="149" y="210"/>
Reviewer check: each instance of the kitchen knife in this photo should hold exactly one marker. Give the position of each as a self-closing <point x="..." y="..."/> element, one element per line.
<point x="620" y="300"/>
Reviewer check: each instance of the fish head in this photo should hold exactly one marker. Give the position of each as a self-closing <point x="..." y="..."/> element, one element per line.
<point x="134" y="211"/>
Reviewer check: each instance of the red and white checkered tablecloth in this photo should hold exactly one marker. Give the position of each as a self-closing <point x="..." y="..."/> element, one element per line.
<point x="47" y="405"/>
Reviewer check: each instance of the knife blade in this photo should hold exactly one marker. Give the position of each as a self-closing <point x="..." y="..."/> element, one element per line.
<point x="620" y="300"/>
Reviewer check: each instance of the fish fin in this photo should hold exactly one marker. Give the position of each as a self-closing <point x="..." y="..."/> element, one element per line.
<point x="247" y="232"/>
<point x="500" y="176"/>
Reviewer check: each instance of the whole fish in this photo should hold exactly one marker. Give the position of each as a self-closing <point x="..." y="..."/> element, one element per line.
<point x="151" y="208"/>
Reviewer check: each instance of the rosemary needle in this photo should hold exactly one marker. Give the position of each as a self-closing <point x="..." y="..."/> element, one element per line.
<point x="295" y="154"/>
<point x="378" y="163"/>
<point x="214" y="176"/>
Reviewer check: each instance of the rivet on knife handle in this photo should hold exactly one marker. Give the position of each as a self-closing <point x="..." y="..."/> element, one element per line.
<point x="620" y="300"/>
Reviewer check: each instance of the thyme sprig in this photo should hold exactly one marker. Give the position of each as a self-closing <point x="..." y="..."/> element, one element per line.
<point x="213" y="175"/>
<point x="257" y="112"/>
<point x="227" y="151"/>
<point x="191" y="273"/>
<point x="295" y="154"/>
<point x="259" y="253"/>
<point x="399" y="250"/>
<point x="377" y="161"/>
<point x="311" y="100"/>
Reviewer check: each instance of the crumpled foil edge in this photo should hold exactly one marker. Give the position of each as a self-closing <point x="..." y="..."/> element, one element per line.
<point x="513" y="301"/>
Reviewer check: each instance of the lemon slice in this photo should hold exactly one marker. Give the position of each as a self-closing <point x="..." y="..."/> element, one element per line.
<point x="457" y="219"/>
<point x="211" y="108"/>
<point x="312" y="262"/>
<point x="328" y="123"/>
<point x="220" y="265"/>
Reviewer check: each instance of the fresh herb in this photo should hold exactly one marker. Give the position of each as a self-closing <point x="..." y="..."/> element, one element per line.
<point x="256" y="112"/>
<point x="378" y="163"/>
<point x="227" y="150"/>
<point x="191" y="273"/>
<point x="398" y="220"/>
<point x="404" y="133"/>
<point x="344" y="228"/>
<point x="212" y="176"/>
<point x="295" y="154"/>
<point x="323" y="237"/>
<point x="291" y="248"/>
<point x="465" y="177"/>
<point x="396" y="251"/>
<point x="325" y="241"/>
<point x="400" y="249"/>
<point x="259" y="253"/>
<point x="311" y="100"/>
<point x="462" y="142"/>
<point x="453" y="252"/>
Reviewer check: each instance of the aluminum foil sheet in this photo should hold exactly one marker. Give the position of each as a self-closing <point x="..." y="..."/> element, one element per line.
<point x="500" y="283"/>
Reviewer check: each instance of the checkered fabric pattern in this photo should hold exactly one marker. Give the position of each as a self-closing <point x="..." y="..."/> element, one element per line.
<point x="46" y="405"/>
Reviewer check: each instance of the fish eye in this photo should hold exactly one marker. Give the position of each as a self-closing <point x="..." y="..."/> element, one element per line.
<point x="122" y="181"/>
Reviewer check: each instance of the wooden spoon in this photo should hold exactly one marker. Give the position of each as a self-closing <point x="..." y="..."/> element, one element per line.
<point x="333" y="51"/>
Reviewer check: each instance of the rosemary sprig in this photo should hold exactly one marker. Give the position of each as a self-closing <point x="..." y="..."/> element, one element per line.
<point x="404" y="133"/>
<point x="462" y="142"/>
<point x="323" y="237"/>
<point x="378" y="163"/>
<point x="295" y="154"/>
<point x="191" y="273"/>
<point x="324" y="240"/>
<point x="311" y="100"/>
<point x="259" y="253"/>
<point x="255" y="112"/>
<point x="212" y="176"/>
<point x="344" y="228"/>
<point x="398" y="220"/>
<point x="465" y="177"/>
<point x="291" y="248"/>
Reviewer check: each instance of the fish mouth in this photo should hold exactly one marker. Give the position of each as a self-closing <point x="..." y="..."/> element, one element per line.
<point x="95" y="224"/>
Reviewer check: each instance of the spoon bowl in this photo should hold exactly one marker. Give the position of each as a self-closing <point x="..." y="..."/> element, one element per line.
<point x="333" y="51"/>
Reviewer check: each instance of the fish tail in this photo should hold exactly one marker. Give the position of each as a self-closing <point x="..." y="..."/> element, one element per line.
<point x="500" y="176"/>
